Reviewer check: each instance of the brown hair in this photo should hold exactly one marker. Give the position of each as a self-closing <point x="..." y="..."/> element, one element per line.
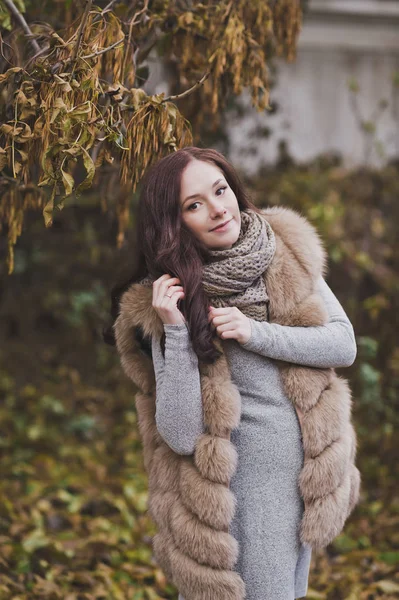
<point x="165" y="244"/>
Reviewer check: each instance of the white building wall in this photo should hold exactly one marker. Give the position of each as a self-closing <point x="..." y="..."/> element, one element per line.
<point x="340" y="40"/>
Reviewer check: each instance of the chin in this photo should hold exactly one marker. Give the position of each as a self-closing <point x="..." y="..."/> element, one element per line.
<point x="227" y="242"/>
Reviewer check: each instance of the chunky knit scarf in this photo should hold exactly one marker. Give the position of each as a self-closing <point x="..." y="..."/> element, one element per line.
<point x="233" y="277"/>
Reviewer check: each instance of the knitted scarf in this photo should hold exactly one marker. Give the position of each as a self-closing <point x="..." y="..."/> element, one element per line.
<point x="233" y="277"/>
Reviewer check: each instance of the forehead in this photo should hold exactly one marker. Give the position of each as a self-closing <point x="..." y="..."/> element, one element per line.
<point x="199" y="175"/>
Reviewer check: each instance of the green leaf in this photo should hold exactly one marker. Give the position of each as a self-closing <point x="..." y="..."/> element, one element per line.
<point x="391" y="558"/>
<point x="80" y="112"/>
<point x="368" y="126"/>
<point x="21" y="5"/>
<point x="37" y="539"/>
<point x="353" y="85"/>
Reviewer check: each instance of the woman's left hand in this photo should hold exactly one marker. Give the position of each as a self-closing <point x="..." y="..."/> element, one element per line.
<point x="230" y="323"/>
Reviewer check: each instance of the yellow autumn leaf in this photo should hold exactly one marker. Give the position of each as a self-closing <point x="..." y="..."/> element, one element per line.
<point x="9" y="72"/>
<point x="90" y="170"/>
<point x="388" y="586"/>
<point x="3" y="158"/>
<point x="49" y="207"/>
<point x="68" y="182"/>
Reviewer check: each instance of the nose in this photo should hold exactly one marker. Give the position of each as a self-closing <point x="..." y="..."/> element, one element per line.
<point x="216" y="208"/>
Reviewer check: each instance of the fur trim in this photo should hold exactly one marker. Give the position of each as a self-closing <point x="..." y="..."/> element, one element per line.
<point x="324" y="518"/>
<point x="304" y="385"/>
<point x="136" y="306"/>
<point x="300" y="237"/>
<point x="202" y="543"/>
<point x="221" y="403"/>
<point x="215" y="458"/>
<point x="324" y="423"/>
<point x="212" y="502"/>
<point x="199" y="582"/>
<point x="324" y="473"/>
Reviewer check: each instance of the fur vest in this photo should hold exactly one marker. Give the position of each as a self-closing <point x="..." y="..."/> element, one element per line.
<point x="189" y="496"/>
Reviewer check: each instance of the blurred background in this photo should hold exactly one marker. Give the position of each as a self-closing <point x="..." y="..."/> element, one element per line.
<point x="73" y="491"/>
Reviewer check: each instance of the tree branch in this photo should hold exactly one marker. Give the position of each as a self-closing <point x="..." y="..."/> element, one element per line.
<point x="189" y="91"/>
<point x="80" y="32"/>
<point x="104" y="49"/>
<point x="20" y="18"/>
<point x="109" y="6"/>
<point x="35" y="56"/>
<point x="104" y="11"/>
<point x="129" y="39"/>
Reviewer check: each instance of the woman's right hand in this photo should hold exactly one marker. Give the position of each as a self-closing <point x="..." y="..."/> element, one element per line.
<point x="165" y="294"/>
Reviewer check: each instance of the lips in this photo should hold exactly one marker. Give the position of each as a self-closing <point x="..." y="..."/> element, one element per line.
<point x="221" y="225"/>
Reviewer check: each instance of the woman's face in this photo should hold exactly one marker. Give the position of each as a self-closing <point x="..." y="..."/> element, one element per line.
<point x="206" y="202"/>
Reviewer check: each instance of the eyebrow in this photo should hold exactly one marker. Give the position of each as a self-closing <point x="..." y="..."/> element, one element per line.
<point x="197" y="195"/>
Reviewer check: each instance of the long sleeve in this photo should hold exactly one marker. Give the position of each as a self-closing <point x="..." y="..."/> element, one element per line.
<point x="178" y="416"/>
<point x="331" y="345"/>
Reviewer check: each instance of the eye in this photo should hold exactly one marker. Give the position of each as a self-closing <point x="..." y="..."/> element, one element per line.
<point x="221" y="188"/>
<point x="191" y="205"/>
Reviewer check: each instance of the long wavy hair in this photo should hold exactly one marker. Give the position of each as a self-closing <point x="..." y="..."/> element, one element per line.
<point x="165" y="245"/>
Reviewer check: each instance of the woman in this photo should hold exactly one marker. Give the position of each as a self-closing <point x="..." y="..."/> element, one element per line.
<point x="232" y="335"/>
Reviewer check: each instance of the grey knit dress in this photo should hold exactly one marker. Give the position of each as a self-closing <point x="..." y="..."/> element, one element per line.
<point x="272" y="562"/>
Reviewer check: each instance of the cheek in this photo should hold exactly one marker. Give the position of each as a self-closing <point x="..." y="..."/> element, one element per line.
<point x="194" y="222"/>
<point x="233" y="200"/>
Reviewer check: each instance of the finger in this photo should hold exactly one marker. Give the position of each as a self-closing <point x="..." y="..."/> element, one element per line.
<point x="169" y="290"/>
<point x="165" y="277"/>
<point x="160" y="279"/>
<point x="161" y="291"/>
<point x="172" y="296"/>
<point x="226" y="327"/>
<point x="230" y="334"/>
<point x="172" y="290"/>
<point x="222" y="310"/>
<point x="223" y="319"/>
<point x="157" y="283"/>
<point x="211" y="317"/>
<point x="166" y="284"/>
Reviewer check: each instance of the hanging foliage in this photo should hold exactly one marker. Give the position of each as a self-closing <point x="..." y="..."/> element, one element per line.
<point x="72" y="101"/>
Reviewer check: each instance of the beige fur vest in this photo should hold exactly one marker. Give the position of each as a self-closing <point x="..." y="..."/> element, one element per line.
<point x="189" y="496"/>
